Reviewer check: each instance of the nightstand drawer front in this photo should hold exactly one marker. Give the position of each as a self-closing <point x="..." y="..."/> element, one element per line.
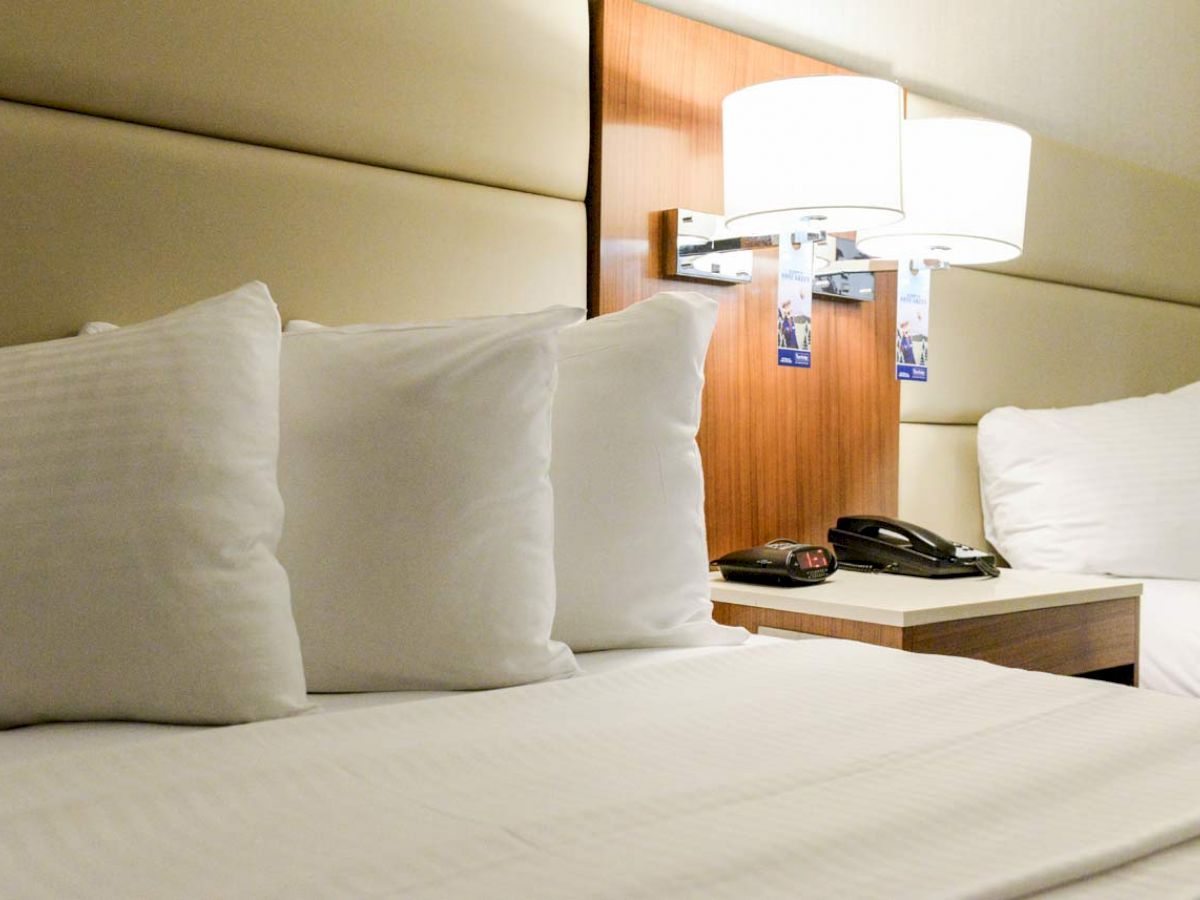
<point x="754" y="617"/>
<point x="1066" y="640"/>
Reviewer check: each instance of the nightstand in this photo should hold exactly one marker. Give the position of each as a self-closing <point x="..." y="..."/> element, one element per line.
<point x="1049" y="622"/>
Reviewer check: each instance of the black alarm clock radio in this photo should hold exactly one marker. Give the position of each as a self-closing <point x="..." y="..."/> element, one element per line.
<point x="781" y="562"/>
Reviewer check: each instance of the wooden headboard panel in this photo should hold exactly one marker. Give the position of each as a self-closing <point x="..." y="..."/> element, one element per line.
<point x="373" y="162"/>
<point x="785" y="450"/>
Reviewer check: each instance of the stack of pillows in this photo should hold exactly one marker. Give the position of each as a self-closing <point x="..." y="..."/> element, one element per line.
<point x="202" y="521"/>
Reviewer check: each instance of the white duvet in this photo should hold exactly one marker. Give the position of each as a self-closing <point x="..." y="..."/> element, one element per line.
<point x="814" y="769"/>
<point x="1170" y="636"/>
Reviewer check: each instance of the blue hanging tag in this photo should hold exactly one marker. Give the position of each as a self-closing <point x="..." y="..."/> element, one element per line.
<point x="912" y="322"/>
<point x="795" y="303"/>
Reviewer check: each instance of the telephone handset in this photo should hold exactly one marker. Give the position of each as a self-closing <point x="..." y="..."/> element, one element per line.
<point x="884" y="544"/>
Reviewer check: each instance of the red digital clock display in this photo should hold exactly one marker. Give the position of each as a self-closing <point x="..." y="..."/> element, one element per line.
<point x="813" y="558"/>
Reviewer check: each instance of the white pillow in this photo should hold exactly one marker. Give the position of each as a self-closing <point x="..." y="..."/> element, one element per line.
<point x="630" y="544"/>
<point x="631" y="551"/>
<point x="139" y="516"/>
<point x="1110" y="488"/>
<point x="419" y="536"/>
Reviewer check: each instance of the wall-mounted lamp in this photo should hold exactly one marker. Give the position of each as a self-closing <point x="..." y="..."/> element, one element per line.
<point x="812" y="154"/>
<point x="965" y="184"/>
<point x="805" y="156"/>
<point x="802" y="156"/>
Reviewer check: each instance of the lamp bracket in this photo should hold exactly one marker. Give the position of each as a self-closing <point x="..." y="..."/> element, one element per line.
<point x="918" y="265"/>
<point x="695" y="248"/>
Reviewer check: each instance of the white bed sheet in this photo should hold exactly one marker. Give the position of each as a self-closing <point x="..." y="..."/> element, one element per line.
<point x="1170" y="636"/>
<point x="805" y="769"/>
<point x="34" y="741"/>
<point x="1169" y="662"/>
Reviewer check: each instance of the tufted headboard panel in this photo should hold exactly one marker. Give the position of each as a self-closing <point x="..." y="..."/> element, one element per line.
<point x="371" y="161"/>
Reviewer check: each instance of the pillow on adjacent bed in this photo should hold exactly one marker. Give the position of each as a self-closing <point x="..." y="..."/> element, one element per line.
<point x="419" y="536"/>
<point x="630" y="548"/>
<point x="1111" y="488"/>
<point x="139" y="516"/>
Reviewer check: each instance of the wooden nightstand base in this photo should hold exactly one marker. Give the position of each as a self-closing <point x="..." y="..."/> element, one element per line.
<point x="1099" y="639"/>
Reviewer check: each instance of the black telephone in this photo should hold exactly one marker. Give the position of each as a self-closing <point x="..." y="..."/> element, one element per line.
<point x="883" y="544"/>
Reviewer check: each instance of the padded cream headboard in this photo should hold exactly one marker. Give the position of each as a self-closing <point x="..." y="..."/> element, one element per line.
<point x="369" y="161"/>
<point x="1104" y="303"/>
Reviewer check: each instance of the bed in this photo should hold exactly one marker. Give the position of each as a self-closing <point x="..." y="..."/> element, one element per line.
<point x="855" y="771"/>
<point x="164" y="152"/>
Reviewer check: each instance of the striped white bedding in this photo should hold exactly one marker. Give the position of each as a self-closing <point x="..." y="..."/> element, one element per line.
<point x="808" y="769"/>
<point x="34" y="741"/>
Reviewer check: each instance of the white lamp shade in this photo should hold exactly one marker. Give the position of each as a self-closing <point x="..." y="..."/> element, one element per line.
<point x="965" y="184"/>
<point x="821" y="152"/>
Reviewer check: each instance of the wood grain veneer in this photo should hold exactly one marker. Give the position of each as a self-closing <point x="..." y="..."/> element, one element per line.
<point x="754" y="617"/>
<point x="785" y="450"/>
<point x="1065" y="640"/>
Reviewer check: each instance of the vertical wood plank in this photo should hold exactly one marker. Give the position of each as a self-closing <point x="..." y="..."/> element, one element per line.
<point x="785" y="450"/>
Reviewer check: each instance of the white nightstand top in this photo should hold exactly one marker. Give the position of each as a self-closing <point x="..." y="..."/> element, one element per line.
<point x="903" y="600"/>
